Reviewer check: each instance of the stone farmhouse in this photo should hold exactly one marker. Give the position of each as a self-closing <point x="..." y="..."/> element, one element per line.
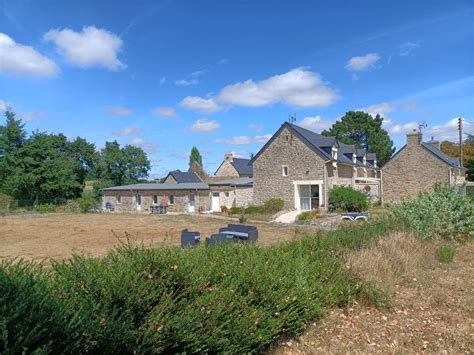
<point x="301" y="166"/>
<point x="417" y="167"/>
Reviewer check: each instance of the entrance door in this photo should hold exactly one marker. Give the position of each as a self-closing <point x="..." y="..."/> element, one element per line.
<point x="215" y="203"/>
<point x="139" y="202"/>
<point x="192" y="203"/>
<point x="314" y="197"/>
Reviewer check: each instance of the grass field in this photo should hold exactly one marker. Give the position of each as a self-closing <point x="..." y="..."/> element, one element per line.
<point x="59" y="235"/>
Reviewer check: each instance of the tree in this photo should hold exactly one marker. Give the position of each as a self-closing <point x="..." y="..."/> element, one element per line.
<point x="452" y="149"/>
<point x="85" y="156"/>
<point x="122" y="165"/>
<point x="12" y="134"/>
<point x="195" y="156"/>
<point x="366" y="132"/>
<point x="41" y="170"/>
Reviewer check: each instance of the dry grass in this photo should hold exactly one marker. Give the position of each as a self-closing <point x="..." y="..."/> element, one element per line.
<point x="390" y="260"/>
<point x="59" y="235"/>
<point x="433" y="304"/>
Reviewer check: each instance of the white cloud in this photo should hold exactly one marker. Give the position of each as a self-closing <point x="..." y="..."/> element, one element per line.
<point x="186" y="82"/>
<point x="168" y="112"/>
<point x="148" y="147"/>
<point x="89" y="48"/>
<point x="178" y="154"/>
<point x="449" y="130"/>
<point x="199" y="72"/>
<point x="315" y="123"/>
<point x="255" y="127"/>
<point x="119" y="111"/>
<point x="128" y="132"/>
<point x="407" y="48"/>
<point x="381" y="109"/>
<point x="409" y="105"/>
<point x="30" y="116"/>
<point x="199" y="104"/>
<point x="24" y="60"/>
<point x="245" y="140"/>
<point x="363" y="62"/>
<point x="241" y="154"/>
<point x="298" y="87"/>
<point x="3" y="106"/>
<point x="206" y="126"/>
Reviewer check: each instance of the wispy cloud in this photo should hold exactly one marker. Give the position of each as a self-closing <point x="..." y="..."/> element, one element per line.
<point x="409" y="105"/>
<point x="30" y="116"/>
<point x="205" y="126"/>
<point x="167" y="112"/>
<point x="244" y="140"/>
<point x="119" y="111"/>
<point x="129" y="132"/>
<point x="186" y="82"/>
<point x="24" y="60"/>
<point x="315" y="123"/>
<point x="89" y="48"/>
<point x="407" y="48"/>
<point x="361" y="63"/>
<point x="255" y="127"/>
<point x="148" y="147"/>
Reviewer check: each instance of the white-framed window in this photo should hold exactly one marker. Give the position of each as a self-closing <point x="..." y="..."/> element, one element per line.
<point x="171" y="200"/>
<point x="334" y="153"/>
<point x="119" y="199"/>
<point x="354" y="158"/>
<point x="155" y="199"/>
<point x="284" y="170"/>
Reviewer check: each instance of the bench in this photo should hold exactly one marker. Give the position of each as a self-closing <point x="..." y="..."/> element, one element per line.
<point x="241" y="232"/>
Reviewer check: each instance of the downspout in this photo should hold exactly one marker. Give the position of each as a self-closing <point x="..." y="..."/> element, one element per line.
<point x="325" y="186"/>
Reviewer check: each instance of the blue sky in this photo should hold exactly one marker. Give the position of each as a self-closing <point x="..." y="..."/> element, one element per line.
<point x="221" y="75"/>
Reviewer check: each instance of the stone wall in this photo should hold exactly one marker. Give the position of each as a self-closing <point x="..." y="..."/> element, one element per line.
<point x="169" y="180"/>
<point x="412" y="171"/>
<point x="227" y="169"/>
<point x="302" y="162"/>
<point x="181" y="200"/>
<point x="234" y="197"/>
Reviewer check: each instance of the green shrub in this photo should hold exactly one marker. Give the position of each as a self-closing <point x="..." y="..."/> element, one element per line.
<point x="237" y="210"/>
<point x="86" y="202"/>
<point x="445" y="253"/>
<point x="255" y="210"/>
<point x="309" y="215"/>
<point x="440" y="214"/>
<point x="44" y="208"/>
<point x="5" y="203"/>
<point x="347" y="199"/>
<point x="274" y="205"/>
<point x="231" y="298"/>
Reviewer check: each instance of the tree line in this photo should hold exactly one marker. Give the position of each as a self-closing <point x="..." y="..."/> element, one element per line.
<point x="49" y="167"/>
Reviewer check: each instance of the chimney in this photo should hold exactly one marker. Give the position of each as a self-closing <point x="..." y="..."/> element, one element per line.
<point x="434" y="143"/>
<point x="228" y="157"/>
<point x="414" y="138"/>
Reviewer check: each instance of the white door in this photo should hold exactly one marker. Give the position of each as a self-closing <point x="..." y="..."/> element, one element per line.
<point x="305" y="197"/>
<point x="215" y="204"/>
<point x="139" y="202"/>
<point x="192" y="203"/>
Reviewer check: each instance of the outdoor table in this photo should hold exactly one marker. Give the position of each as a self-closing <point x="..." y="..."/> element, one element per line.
<point x="236" y="234"/>
<point x="159" y="209"/>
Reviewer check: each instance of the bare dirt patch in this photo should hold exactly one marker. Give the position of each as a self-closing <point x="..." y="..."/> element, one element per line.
<point x="433" y="306"/>
<point x="58" y="235"/>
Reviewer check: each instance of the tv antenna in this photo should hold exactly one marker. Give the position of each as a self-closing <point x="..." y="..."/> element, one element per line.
<point x="292" y="118"/>
<point x="421" y="126"/>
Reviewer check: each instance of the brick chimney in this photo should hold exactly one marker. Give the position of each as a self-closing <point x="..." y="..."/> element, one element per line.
<point x="434" y="143"/>
<point x="414" y="138"/>
<point x="228" y="157"/>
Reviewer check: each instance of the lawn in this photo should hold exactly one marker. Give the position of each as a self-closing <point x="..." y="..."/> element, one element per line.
<point x="58" y="235"/>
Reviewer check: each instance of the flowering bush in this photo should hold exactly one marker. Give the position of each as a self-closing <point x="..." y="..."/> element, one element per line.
<point x="440" y="214"/>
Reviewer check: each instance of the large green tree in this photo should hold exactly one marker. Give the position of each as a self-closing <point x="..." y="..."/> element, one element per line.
<point x="12" y="133"/>
<point x="122" y="165"/>
<point x="195" y="156"/>
<point x="41" y="170"/>
<point x="365" y="131"/>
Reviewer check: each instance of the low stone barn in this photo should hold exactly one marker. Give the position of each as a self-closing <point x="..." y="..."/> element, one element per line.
<point x="417" y="167"/>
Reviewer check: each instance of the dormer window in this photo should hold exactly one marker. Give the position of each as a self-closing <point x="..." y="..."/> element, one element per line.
<point x="354" y="158"/>
<point x="365" y="160"/>
<point x="334" y="153"/>
<point x="375" y="163"/>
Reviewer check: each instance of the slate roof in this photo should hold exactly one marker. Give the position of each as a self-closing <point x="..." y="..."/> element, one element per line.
<point x="243" y="181"/>
<point x="453" y="162"/>
<point x="185" y="177"/>
<point x="322" y="145"/>
<point x="152" y="186"/>
<point x="242" y="166"/>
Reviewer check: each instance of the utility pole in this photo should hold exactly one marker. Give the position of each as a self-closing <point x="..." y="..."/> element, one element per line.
<point x="460" y="141"/>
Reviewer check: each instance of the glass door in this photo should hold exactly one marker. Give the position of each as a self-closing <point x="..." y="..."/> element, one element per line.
<point x="305" y="197"/>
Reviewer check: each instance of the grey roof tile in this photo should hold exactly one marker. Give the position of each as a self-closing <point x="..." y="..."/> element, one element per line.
<point x="152" y="186"/>
<point x="242" y="166"/>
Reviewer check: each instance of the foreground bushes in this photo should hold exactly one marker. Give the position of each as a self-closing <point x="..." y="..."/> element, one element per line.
<point x="347" y="199"/>
<point x="442" y="214"/>
<point x="232" y="298"/>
